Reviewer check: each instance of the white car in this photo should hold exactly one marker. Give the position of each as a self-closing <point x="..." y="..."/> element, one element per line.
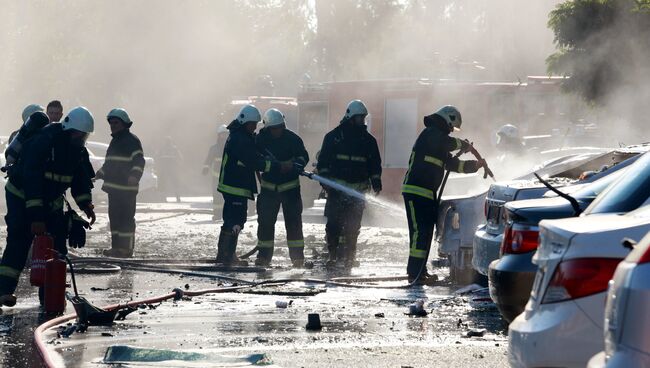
<point x="627" y="336"/>
<point x="576" y="259"/>
<point x="562" y="325"/>
<point x="97" y="153"/>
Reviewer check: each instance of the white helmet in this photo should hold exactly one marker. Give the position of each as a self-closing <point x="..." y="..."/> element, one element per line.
<point x="451" y="116"/>
<point x="355" y="107"/>
<point x="120" y="114"/>
<point x="248" y="113"/>
<point x="30" y="109"/>
<point x="79" y="119"/>
<point x="222" y="129"/>
<point x="273" y="117"/>
<point x="508" y="131"/>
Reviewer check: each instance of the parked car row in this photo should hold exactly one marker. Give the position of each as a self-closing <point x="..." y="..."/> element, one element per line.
<point x="558" y="256"/>
<point x="471" y="251"/>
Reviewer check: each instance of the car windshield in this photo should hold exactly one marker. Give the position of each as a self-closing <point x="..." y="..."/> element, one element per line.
<point x="628" y="193"/>
<point x="592" y="190"/>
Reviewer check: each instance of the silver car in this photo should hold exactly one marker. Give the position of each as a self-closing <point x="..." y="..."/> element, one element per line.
<point x="627" y="337"/>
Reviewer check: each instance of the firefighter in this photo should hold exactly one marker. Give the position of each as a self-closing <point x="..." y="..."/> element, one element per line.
<point x="278" y="189"/>
<point x="240" y="161"/>
<point x="121" y="172"/>
<point x="53" y="160"/>
<point x="54" y="111"/>
<point x="212" y="165"/>
<point x="349" y="156"/>
<point x="508" y="140"/>
<point x="429" y="160"/>
<point x="27" y="112"/>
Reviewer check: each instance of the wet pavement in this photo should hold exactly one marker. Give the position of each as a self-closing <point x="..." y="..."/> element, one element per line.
<point x="361" y="326"/>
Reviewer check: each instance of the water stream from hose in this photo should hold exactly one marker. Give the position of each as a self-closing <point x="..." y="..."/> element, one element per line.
<point x="395" y="209"/>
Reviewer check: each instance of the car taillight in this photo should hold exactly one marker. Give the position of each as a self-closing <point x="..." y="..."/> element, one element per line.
<point x="577" y="278"/>
<point x="519" y="239"/>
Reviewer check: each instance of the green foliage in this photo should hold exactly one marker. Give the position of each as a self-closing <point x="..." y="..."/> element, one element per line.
<point x="604" y="45"/>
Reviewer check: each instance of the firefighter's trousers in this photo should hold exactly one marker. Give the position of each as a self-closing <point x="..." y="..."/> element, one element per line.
<point x="344" y="214"/>
<point x="121" y="215"/>
<point x="19" y="239"/>
<point x="268" y="206"/>
<point x="422" y="214"/>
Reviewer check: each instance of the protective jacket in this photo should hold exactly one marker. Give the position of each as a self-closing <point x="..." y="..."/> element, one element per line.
<point x="350" y="155"/>
<point x="46" y="168"/>
<point x="240" y="161"/>
<point x="213" y="159"/>
<point x="287" y="148"/>
<point x="124" y="158"/>
<point x="431" y="157"/>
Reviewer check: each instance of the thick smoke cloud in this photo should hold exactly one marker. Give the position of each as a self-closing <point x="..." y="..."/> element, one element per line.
<point x="174" y="65"/>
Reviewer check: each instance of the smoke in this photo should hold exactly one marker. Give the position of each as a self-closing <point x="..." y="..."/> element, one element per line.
<point x="175" y="65"/>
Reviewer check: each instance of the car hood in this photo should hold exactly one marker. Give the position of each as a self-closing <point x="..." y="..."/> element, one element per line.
<point x="536" y="210"/>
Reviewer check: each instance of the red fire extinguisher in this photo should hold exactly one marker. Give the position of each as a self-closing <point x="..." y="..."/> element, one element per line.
<point x="42" y="250"/>
<point x="55" y="272"/>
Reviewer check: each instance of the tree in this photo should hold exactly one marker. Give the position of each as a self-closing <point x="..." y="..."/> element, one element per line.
<point x="603" y="45"/>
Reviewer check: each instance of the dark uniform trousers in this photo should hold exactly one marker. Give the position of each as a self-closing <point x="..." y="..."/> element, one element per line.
<point x="268" y="206"/>
<point x="344" y="214"/>
<point x="422" y="215"/>
<point x="234" y="211"/>
<point x="19" y="239"/>
<point x="121" y="214"/>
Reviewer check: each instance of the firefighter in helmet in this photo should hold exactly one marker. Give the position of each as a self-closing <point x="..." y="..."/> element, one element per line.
<point x="241" y="160"/>
<point x="278" y="189"/>
<point x="349" y="156"/>
<point x="53" y="160"/>
<point x="121" y="172"/>
<point x="430" y="158"/>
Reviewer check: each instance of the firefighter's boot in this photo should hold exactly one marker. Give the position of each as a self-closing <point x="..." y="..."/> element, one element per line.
<point x="231" y="259"/>
<point x="264" y="256"/>
<point x="350" y="250"/>
<point x="425" y="279"/>
<point x="332" y="247"/>
<point x="7" y="300"/>
<point x="225" y="238"/>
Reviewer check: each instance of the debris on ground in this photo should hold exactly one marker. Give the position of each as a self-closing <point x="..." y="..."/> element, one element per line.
<point x="476" y="332"/>
<point x="313" y="322"/>
<point x="469" y="289"/>
<point x="417" y="309"/>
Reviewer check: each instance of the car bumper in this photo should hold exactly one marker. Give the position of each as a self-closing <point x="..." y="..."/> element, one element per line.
<point x="485" y="250"/>
<point x="554" y="335"/>
<point x="622" y="358"/>
<point x="511" y="280"/>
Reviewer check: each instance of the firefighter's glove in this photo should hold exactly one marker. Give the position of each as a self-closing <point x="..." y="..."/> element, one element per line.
<point x="38" y="228"/>
<point x="90" y="213"/>
<point x="466" y="146"/>
<point x="76" y="229"/>
<point x="298" y="168"/>
<point x="376" y="185"/>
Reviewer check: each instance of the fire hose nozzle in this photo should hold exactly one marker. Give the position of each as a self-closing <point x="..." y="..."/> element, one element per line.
<point x="308" y="174"/>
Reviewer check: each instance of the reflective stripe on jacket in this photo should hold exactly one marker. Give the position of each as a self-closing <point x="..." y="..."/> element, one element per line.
<point x="124" y="159"/>
<point x="240" y="161"/>
<point x="431" y="157"/>
<point x="48" y="166"/>
<point x="287" y="148"/>
<point x="350" y="156"/>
